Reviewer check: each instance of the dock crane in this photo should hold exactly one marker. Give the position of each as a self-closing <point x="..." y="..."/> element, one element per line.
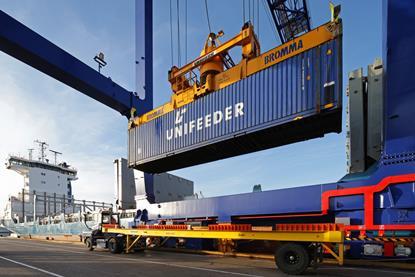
<point x="378" y="204"/>
<point x="290" y="17"/>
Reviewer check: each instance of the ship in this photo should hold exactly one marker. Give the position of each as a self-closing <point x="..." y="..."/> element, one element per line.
<point x="46" y="204"/>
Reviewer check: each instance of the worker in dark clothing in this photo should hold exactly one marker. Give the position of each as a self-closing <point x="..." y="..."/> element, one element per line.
<point x="137" y="217"/>
<point x="144" y="216"/>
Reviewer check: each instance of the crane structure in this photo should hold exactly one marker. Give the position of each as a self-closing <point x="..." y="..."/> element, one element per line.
<point x="24" y="44"/>
<point x="290" y="17"/>
<point x="376" y="203"/>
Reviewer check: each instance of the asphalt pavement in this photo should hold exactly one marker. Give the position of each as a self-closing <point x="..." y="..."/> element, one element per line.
<point x="41" y="258"/>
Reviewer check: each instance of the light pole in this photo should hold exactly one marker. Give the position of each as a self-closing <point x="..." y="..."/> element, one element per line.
<point x="99" y="59"/>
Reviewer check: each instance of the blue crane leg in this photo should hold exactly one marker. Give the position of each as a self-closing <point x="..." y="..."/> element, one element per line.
<point x="144" y="53"/>
<point x="398" y="52"/>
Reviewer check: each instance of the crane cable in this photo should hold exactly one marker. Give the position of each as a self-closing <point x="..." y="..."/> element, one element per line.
<point x="249" y="10"/>
<point x="179" y="58"/>
<point x="243" y="11"/>
<point x="207" y="16"/>
<point x="171" y="35"/>
<point x="257" y="22"/>
<point x="185" y="30"/>
<point x="253" y="12"/>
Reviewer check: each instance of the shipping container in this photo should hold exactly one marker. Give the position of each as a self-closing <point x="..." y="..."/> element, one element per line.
<point x="297" y="99"/>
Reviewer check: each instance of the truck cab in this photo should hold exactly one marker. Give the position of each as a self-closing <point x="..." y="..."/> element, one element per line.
<point x="97" y="239"/>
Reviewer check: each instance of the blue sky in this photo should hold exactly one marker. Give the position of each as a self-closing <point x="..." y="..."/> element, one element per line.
<point x="91" y="135"/>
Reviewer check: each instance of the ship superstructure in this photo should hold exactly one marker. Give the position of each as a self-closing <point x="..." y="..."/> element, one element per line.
<point x="49" y="181"/>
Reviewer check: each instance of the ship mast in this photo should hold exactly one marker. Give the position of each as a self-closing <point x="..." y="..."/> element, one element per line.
<point x="30" y="153"/>
<point x="42" y="149"/>
<point x="55" y="153"/>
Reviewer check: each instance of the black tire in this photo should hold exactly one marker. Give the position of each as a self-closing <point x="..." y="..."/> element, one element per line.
<point x="88" y="243"/>
<point x="292" y="258"/>
<point x="115" y="245"/>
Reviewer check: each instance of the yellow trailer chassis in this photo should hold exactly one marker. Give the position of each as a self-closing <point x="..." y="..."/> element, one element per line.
<point x="331" y="241"/>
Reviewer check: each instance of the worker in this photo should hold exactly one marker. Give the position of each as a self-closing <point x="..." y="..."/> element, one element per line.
<point x="117" y="203"/>
<point x="16" y="219"/>
<point x="144" y="216"/>
<point x="137" y="217"/>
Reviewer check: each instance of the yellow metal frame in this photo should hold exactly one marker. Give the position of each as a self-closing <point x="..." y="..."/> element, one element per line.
<point x="329" y="236"/>
<point x="245" y="68"/>
<point x="130" y="244"/>
<point x="338" y="256"/>
<point x="326" y="238"/>
<point x="244" y="37"/>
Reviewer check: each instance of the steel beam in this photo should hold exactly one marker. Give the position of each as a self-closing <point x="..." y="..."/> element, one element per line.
<point x="24" y="44"/>
<point x="144" y="54"/>
<point x="291" y="18"/>
<point x="324" y="236"/>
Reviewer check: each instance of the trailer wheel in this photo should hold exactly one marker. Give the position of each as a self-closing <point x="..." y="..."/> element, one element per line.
<point x="292" y="258"/>
<point x="115" y="245"/>
<point x="88" y="243"/>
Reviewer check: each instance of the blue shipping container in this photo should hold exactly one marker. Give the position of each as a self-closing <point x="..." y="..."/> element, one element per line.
<point x="294" y="100"/>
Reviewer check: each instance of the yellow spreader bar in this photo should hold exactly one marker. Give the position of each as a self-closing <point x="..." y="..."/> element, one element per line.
<point x="245" y="68"/>
<point x="327" y="236"/>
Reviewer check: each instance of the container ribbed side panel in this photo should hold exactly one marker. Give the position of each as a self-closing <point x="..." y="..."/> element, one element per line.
<point x="282" y="104"/>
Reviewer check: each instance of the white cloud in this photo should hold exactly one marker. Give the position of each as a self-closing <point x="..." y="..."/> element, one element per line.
<point x="58" y="120"/>
<point x="35" y="106"/>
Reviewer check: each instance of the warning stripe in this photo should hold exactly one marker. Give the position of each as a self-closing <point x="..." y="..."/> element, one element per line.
<point x="382" y="239"/>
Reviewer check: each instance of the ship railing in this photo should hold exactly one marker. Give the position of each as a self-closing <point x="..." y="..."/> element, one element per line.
<point x="41" y="206"/>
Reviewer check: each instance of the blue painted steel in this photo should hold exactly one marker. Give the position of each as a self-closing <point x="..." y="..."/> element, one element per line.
<point x="144" y="54"/>
<point x="290" y="18"/>
<point x="22" y="43"/>
<point x="356" y="249"/>
<point x="305" y="199"/>
<point x="273" y="97"/>
<point x="144" y="67"/>
<point x="399" y="41"/>
<point x="223" y="207"/>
